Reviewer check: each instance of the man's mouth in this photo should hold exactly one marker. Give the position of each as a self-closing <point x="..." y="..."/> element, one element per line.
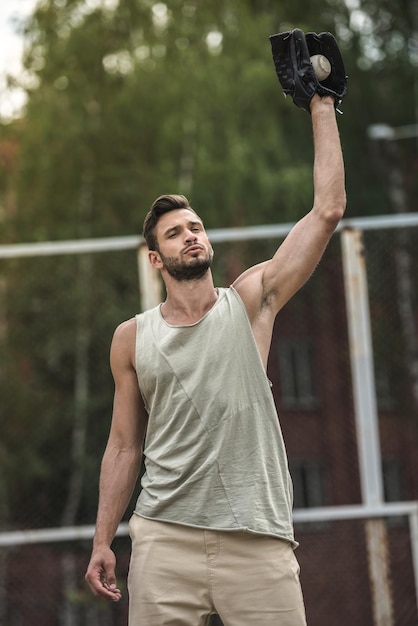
<point x="194" y="248"/>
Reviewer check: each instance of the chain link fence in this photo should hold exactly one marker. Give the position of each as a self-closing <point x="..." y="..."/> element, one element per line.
<point x="57" y="316"/>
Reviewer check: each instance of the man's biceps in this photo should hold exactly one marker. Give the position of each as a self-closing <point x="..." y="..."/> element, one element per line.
<point x="275" y="273"/>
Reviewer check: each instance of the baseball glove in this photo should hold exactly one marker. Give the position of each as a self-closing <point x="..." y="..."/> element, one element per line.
<point x="291" y="55"/>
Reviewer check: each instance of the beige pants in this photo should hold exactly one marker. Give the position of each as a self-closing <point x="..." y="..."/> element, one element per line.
<point x="179" y="576"/>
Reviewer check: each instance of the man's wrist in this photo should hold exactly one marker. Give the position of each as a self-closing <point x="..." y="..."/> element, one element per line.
<point x="101" y="541"/>
<point x="321" y="103"/>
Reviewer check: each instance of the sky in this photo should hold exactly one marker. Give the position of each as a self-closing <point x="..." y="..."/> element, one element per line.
<point x="11" y="47"/>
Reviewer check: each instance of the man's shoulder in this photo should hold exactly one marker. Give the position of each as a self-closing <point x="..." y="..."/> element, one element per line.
<point x="123" y="346"/>
<point x="125" y="330"/>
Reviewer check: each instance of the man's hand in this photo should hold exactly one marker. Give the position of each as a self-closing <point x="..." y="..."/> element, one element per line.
<point x="292" y="52"/>
<point x="100" y="575"/>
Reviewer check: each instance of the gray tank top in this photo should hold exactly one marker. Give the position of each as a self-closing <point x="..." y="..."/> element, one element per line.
<point x="214" y="452"/>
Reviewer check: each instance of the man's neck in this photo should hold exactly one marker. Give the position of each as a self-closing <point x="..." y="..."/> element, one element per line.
<point x="188" y="301"/>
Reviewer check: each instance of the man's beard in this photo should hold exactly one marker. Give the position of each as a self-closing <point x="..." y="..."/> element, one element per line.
<point x="193" y="270"/>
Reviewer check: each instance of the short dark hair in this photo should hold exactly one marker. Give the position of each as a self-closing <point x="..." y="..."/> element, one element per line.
<point x="162" y="205"/>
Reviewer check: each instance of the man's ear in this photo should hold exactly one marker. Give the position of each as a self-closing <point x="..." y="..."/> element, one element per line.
<point x="155" y="259"/>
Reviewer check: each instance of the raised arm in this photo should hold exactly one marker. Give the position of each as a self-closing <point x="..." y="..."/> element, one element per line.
<point x="266" y="287"/>
<point x="297" y="257"/>
<point x="121" y="461"/>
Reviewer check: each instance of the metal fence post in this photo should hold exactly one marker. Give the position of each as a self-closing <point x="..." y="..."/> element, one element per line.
<point x="366" y="417"/>
<point x="413" y="529"/>
<point x="149" y="281"/>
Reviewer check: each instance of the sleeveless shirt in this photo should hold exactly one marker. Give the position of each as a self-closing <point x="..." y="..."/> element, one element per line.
<point x="214" y="452"/>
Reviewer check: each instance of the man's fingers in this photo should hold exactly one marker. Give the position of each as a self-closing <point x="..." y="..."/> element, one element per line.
<point x="109" y="575"/>
<point x="111" y="592"/>
<point x="101" y="589"/>
<point x="109" y="582"/>
<point x="101" y="579"/>
<point x="115" y="593"/>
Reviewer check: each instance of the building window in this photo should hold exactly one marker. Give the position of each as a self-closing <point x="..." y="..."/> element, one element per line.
<point x="296" y="374"/>
<point x="392" y="487"/>
<point x="392" y="480"/>
<point x="308" y="487"/>
<point x="384" y="388"/>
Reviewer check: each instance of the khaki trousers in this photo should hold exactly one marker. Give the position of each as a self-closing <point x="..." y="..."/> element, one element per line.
<point x="180" y="575"/>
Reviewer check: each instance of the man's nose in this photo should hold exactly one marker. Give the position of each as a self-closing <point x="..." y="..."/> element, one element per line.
<point x="190" y="236"/>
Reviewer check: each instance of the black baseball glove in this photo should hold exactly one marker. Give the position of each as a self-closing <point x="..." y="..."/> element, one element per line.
<point x="291" y="55"/>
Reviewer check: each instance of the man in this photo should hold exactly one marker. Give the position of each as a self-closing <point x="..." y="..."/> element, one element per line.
<point x="212" y="531"/>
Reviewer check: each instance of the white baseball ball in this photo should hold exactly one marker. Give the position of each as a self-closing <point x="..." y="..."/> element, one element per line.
<point x="321" y="65"/>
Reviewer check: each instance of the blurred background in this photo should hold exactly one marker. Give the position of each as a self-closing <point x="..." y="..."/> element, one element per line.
<point x="117" y="102"/>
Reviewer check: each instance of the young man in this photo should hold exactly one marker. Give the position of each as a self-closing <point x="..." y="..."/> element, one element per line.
<point x="212" y="530"/>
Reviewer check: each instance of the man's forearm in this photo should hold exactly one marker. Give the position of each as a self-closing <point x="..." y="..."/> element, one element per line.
<point x="329" y="184"/>
<point x="118" y="477"/>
